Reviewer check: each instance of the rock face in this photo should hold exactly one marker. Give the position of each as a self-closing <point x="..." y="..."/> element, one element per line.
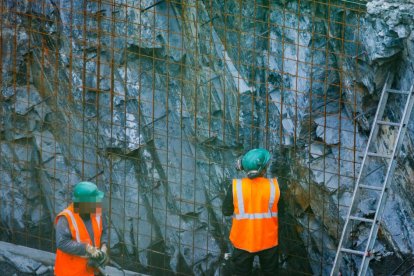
<point x="154" y="101"/>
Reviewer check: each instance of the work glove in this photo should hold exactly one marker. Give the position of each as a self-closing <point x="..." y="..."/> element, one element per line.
<point x="98" y="257"/>
<point x="104" y="259"/>
<point x="104" y="249"/>
<point x="92" y="251"/>
<point x="105" y="256"/>
<point x="100" y="261"/>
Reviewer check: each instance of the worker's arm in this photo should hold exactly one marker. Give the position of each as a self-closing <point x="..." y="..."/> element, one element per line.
<point x="104" y="235"/>
<point x="228" y="207"/>
<point x="64" y="239"/>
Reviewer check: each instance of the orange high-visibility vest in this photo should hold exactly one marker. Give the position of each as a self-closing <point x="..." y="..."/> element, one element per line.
<point x="71" y="265"/>
<point x="255" y="220"/>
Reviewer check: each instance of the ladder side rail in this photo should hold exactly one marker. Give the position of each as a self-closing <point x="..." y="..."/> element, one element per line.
<point x="374" y="130"/>
<point x="388" y="178"/>
<point x="378" y="116"/>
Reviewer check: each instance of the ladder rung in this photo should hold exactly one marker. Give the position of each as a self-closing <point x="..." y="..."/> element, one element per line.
<point x="388" y="123"/>
<point x="370" y="187"/>
<point x="361" y="219"/>
<point x="379" y="155"/>
<point x="351" y="251"/>
<point x="398" y="91"/>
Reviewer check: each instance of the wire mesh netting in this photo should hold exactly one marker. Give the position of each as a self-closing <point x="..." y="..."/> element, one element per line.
<point x="155" y="100"/>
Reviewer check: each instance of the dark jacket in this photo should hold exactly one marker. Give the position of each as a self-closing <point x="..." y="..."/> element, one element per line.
<point x="228" y="207"/>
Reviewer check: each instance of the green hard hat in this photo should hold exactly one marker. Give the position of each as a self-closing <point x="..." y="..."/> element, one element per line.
<point x="255" y="160"/>
<point x="87" y="192"/>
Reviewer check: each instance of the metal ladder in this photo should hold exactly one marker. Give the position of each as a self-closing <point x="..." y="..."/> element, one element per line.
<point x="380" y="191"/>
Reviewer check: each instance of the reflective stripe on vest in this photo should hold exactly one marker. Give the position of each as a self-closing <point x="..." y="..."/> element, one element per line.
<point x="98" y="220"/>
<point x="75" y="225"/>
<point x="240" y="203"/>
<point x="272" y="194"/>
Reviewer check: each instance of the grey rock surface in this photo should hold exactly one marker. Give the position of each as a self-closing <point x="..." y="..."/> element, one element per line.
<point x="155" y="100"/>
<point x="23" y="264"/>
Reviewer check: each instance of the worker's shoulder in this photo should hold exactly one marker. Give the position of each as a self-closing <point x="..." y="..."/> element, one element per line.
<point x="61" y="219"/>
<point x="61" y="223"/>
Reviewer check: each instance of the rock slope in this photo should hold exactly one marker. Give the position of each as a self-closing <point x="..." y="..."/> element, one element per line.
<point x="154" y="101"/>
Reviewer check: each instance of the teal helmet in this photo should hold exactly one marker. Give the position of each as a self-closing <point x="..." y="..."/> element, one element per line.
<point x="254" y="162"/>
<point x="87" y="192"/>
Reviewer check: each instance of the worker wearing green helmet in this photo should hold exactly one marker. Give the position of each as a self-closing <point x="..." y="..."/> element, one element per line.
<point x="81" y="233"/>
<point x="253" y="203"/>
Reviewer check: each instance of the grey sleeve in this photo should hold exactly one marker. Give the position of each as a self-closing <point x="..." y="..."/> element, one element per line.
<point x="104" y="236"/>
<point x="64" y="239"/>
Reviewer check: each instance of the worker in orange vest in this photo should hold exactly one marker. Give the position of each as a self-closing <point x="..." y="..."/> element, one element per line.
<point x="252" y="201"/>
<point x="81" y="234"/>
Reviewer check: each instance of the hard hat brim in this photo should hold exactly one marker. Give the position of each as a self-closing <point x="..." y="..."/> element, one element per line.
<point x="96" y="198"/>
